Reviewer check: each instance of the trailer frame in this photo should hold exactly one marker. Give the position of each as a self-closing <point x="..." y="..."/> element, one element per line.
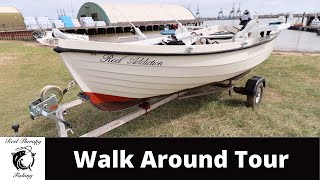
<point x="51" y="109"/>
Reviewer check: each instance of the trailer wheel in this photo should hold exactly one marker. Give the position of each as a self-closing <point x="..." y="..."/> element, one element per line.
<point x="256" y="99"/>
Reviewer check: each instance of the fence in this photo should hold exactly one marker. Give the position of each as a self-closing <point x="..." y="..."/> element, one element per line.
<point x="16" y="35"/>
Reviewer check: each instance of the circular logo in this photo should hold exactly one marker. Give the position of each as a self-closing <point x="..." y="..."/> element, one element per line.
<point x="23" y="158"/>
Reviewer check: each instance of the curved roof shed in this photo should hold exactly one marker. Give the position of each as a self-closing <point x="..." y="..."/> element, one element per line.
<point x="115" y="14"/>
<point x="11" y="19"/>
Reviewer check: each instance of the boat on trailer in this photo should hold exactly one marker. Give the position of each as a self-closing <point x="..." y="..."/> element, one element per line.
<point x="116" y="76"/>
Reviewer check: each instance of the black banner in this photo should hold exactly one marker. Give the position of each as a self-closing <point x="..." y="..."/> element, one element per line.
<point x="214" y="158"/>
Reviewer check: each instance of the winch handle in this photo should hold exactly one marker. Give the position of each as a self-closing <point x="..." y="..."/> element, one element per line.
<point x="67" y="124"/>
<point x="57" y="119"/>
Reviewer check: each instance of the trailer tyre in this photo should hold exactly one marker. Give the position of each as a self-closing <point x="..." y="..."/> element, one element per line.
<point x="256" y="99"/>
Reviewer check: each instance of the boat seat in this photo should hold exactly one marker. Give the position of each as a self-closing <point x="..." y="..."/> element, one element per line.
<point x="173" y="42"/>
<point x="223" y="33"/>
<point x="219" y="36"/>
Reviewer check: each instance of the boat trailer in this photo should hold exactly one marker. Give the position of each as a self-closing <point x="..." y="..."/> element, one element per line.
<point x="48" y="104"/>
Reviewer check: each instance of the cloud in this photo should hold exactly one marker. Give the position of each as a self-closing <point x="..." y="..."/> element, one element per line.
<point x="208" y="8"/>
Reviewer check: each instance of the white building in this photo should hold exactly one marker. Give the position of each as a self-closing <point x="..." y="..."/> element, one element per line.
<point x="139" y="14"/>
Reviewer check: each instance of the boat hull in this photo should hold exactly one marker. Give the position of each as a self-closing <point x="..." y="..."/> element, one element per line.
<point x="112" y="103"/>
<point x="115" y="81"/>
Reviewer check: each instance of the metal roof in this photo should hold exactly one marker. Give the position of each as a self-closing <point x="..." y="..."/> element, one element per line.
<point x="119" y="12"/>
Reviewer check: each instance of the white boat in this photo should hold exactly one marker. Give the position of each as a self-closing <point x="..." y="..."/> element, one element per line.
<point x="315" y="22"/>
<point x="115" y="76"/>
<point x="49" y="38"/>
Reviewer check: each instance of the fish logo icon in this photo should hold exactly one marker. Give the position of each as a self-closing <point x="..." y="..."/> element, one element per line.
<point x="23" y="158"/>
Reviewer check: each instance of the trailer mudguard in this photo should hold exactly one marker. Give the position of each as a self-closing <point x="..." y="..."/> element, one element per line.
<point x="252" y="84"/>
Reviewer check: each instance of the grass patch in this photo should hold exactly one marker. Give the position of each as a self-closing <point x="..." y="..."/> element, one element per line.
<point x="291" y="105"/>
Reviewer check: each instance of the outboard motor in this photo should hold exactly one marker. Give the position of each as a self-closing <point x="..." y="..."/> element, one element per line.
<point x="250" y="24"/>
<point x="245" y="19"/>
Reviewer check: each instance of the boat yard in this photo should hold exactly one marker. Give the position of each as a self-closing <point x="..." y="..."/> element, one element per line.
<point x="104" y="19"/>
<point x="290" y="75"/>
<point x="148" y="73"/>
<point x="292" y="96"/>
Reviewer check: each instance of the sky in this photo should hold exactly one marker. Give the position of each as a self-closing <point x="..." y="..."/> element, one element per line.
<point x="208" y="8"/>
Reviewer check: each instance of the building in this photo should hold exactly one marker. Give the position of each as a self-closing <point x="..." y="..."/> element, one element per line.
<point x="11" y="19"/>
<point x="139" y="14"/>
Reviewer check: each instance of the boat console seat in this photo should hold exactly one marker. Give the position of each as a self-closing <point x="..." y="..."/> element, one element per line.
<point x="172" y="40"/>
<point x="216" y="38"/>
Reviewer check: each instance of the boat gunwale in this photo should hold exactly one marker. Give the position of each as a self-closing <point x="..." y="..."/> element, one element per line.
<point x="65" y="50"/>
